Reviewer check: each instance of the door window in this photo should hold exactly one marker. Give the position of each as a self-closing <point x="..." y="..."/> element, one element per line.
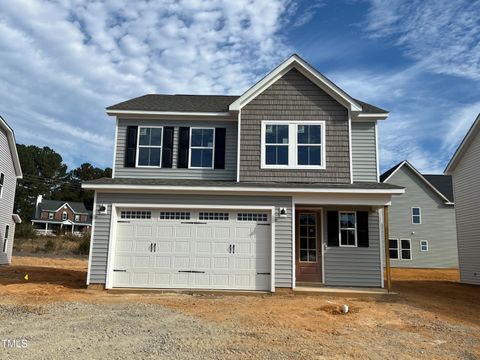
<point x="308" y="237"/>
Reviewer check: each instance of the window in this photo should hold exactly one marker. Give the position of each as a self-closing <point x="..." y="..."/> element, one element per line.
<point x="258" y="217"/>
<point x="64" y="216"/>
<point x="149" y="146"/>
<point x="5" y="238"/>
<point x="213" y="216"/>
<point x="393" y="248"/>
<point x="2" y="180"/>
<point x="307" y="224"/>
<point x="293" y="145"/>
<point x="416" y="216"/>
<point x="406" y="245"/>
<point x="135" y="214"/>
<point x="51" y="215"/>
<point x="201" y="147"/>
<point x="309" y="145"/>
<point x="423" y="245"/>
<point x="77" y="217"/>
<point x="174" y="215"/>
<point x="276" y="145"/>
<point x="348" y="229"/>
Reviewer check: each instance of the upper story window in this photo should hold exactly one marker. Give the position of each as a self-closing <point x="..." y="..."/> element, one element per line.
<point x="2" y="180"/>
<point x="5" y="238"/>
<point x="149" y="152"/>
<point x="201" y="147"/>
<point x="77" y="217"/>
<point x="50" y="215"/>
<point x="293" y="145"/>
<point x="64" y="216"/>
<point x="416" y="215"/>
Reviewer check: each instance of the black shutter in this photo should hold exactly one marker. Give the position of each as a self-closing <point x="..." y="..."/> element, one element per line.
<point x="131" y="146"/>
<point x="220" y="148"/>
<point x="183" y="144"/>
<point x="167" y="147"/>
<point x="362" y="228"/>
<point x="332" y="228"/>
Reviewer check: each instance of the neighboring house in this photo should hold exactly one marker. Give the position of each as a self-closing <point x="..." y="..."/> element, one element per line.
<point x="10" y="171"/>
<point x="270" y="189"/>
<point x="53" y="216"/>
<point x="422" y="221"/>
<point x="465" y="170"/>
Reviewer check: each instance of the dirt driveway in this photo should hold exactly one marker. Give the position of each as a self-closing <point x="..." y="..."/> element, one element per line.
<point x="435" y="318"/>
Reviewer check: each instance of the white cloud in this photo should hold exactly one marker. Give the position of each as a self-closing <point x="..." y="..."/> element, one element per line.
<point x="63" y="61"/>
<point x="443" y="35"/>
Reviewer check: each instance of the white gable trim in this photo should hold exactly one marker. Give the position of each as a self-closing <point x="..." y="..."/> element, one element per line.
<point x="298" y="63"/>
<point x="415" y="171"/>
<point x="67" y="204"/>
<point x="13" y="147"/>
<point x="467" y="140"/>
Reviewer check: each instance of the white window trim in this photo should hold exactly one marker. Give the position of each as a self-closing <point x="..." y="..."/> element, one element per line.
<point x="397" y="248"/>
<point x="340" y="229"/>
<point x="51" y="215"/>
<point x="2" y="185"/>
<point x="149" y="146"/>
<point x="419" y="214"/>
<point x="293" y="145"/>
<point x="6" y="234"/>
<point x="401" y="249"/>
<point x="426" y="243"/>
<point x="76" y="216"/>
<point x="201" y="147"/>
<point x="64" y="216"/>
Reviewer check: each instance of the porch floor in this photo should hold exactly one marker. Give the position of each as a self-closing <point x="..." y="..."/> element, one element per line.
<point x="320" y="289"/>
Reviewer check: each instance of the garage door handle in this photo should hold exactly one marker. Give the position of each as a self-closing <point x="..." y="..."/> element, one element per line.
<point x="151" y="247"/>
<point x="234" y="248"/>
<point x="155" y="247"/>
<point x="263" y="273"/>
<point x="191" y="271"/>
<point x="230" y="248"/>
<point x="117" y="270"/>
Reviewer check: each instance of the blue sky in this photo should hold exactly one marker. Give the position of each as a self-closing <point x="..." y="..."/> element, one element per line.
<point x="63" y="61"/>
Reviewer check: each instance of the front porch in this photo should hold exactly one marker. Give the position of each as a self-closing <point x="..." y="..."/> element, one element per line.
<point x="51" y="228"/>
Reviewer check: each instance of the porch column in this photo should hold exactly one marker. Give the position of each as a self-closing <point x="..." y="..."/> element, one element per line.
<point x="73" y="228"/>
<point x="387" y="248"/>
<point x="46" y="228"/>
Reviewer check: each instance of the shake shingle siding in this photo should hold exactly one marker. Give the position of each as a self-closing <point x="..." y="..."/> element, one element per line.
<point x="6" y="202"/>
<point x="364" y="159"/>
<point x="294" y="97"/>
<point x="283" y="226"/>
<point x="229" y="173"/>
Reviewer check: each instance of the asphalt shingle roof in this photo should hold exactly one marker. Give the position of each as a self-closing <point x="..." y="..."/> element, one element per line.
<point x="52" y="205"/>
<point x="196" y="103"/>
<point x="442" y="183"/>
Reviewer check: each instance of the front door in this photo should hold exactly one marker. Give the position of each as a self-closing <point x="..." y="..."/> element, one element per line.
<point x="308" y="246"/>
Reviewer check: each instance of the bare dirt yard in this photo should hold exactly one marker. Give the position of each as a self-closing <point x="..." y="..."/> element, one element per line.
<point x="431" y="317"/>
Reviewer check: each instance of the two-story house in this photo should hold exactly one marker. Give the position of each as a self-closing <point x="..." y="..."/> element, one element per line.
<point x="464" y="167"/>
<point x="422" y="221"/>
<point x="52" y="217"/>
<point x="271" y="189"/>
<point x="10" y="171"/>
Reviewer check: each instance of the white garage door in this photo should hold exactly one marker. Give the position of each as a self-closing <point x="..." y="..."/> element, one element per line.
<point x="193" y="249"/>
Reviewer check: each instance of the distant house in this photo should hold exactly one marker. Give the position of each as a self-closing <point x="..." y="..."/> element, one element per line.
<point x="465" y="170"/>
<point x="422" y="221"/>
<point x="54" y="216"/>
<point x="10" y="171"/>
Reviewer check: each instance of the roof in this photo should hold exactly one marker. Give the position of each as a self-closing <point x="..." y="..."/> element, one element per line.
<point x="226" y="103"/>
<point x="442" y="183"/>
<point x="53" y="205"/>
<point x="467" y="140"/>
<point x="222" y="185"/>
<point x="184" y="103"/>
<point x="13" y="146"/>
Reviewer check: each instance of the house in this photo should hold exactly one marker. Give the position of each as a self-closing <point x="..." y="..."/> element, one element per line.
<point x="53" y="216"/>
<point x="272" y="189"/>
<point x="464" y="167"/>
<point x="10" y="171"/>
<point x="422" y="221"/>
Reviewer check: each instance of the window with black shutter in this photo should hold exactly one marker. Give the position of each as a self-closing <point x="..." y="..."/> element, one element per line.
<point x="131" y="146"/>
<point x="167" y="150"/>
<point x="220" y="148"/>
<point x="183" y="147"/>
<point x="362" y="228"/>
<point x="332" y="228"/>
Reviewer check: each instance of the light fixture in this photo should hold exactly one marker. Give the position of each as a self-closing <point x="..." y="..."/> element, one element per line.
<point x="283" y="212"/>
<point x="102" y="209"/>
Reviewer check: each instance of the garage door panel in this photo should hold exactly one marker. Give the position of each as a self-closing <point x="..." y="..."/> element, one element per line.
<point x="187" y="254"/>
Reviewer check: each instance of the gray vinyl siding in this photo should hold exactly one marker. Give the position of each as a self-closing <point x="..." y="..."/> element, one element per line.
<point x="364" y="151"/>
<point x="283" y="226"/>
<point x="294" y="97"/>
<point x="437" y="223"/>
<point x="229" y="173"/>
<point x="8" y="197"/>
<point x="355" y="266"/>
<point x="466" y="185"/>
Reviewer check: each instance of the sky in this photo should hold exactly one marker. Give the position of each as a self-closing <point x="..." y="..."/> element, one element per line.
<point x="62" y="62"/>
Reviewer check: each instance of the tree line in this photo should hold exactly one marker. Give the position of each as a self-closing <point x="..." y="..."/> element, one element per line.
<point x="44" y="173"/>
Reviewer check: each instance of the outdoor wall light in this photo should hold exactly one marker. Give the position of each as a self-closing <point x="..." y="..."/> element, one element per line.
<point x="102" y="209"/>
<point x="283" y="212"/>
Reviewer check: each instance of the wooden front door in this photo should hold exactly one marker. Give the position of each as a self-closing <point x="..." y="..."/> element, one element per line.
<point x="308" y="253"/>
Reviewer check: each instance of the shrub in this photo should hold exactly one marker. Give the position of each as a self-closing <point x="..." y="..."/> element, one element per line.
<point x="49" y="246"/>
<point x="25" y="231"/>
<point x="84" y="245"/>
